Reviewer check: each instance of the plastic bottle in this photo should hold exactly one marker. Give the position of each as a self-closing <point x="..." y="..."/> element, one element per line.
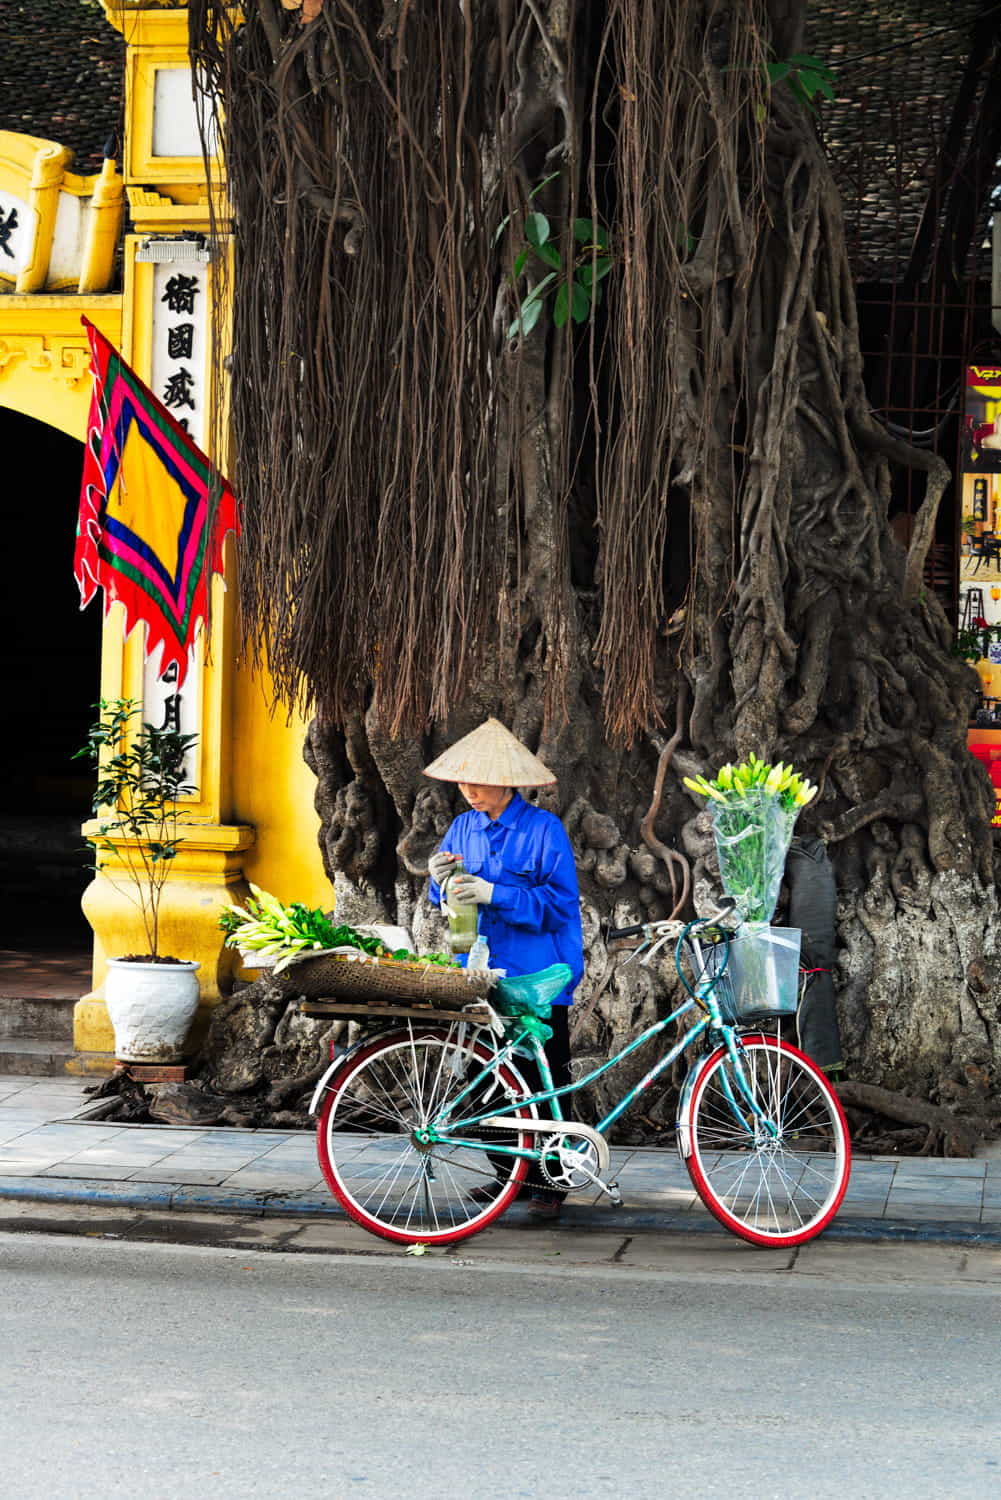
<point x="479" y="955"/>
<point x="463" y="916"/>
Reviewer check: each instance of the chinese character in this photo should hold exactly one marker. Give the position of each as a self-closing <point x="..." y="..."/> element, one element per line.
<point x="7" y="227"/>
<point x="180" y="293"/>
<point x="177" y="391"/>
<point x="180" y="340"/>
<point x="172" y="712"/>
<point x="171" y="674"/>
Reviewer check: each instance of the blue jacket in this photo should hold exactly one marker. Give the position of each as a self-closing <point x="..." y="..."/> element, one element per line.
<point x="534" y="918"/>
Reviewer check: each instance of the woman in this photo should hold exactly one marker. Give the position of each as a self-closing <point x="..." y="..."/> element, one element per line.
<point x="519" y="869"/>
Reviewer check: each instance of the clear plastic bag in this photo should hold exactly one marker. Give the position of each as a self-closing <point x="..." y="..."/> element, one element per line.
<point x="753" y="833"/>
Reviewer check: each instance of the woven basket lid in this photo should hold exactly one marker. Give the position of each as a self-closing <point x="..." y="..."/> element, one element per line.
<point x="491" y="756"/>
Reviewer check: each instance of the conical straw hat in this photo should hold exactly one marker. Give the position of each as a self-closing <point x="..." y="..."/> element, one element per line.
<point x="491" y="756"/>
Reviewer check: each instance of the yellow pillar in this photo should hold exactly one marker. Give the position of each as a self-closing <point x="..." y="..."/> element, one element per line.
<point x="171" y="280"/>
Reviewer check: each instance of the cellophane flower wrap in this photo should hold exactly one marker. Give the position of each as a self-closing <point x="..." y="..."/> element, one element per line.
<point x="754" y="808"/>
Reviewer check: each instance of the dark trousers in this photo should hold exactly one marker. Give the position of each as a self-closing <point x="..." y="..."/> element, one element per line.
<point x="557" y="1051"/>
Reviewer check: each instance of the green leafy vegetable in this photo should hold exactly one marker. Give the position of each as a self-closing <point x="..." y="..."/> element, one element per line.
<point x="273" y="931"/>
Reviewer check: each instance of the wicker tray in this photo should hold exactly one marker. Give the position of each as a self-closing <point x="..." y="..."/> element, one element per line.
<point x="339" y="976"/>
<point x="381" y="1009"/>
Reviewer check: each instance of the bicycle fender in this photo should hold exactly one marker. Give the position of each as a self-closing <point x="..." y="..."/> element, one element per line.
<point x="321" y="1087"/>
<point x="684" y="1130"/>
<point x="336" y="1062"/>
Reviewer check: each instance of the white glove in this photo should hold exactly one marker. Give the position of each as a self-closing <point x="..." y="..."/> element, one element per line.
<point x="471" y="890"/>
<point x="440" y="866"/>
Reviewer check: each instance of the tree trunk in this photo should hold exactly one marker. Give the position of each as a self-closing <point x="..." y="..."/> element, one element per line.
<point x="673" y="512"/>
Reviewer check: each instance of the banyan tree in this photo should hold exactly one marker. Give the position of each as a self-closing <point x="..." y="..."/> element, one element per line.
<point x="547" y="402"/>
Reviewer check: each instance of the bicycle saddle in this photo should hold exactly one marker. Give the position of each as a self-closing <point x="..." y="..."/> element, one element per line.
<point x="531" y="994"/>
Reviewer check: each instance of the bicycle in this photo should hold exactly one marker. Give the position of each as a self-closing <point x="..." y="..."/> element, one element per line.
<point x="412" y="1120"/>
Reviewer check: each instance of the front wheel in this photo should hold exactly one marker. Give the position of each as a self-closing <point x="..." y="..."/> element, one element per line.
<point x="777" y="1181"/>
<point x="370" y="1148"/>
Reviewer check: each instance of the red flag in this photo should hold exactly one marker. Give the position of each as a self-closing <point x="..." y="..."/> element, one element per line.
<point x="154" y="512"/>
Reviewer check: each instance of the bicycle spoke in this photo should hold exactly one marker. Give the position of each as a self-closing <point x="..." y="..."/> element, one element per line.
<point x="390" y="1180"/>
<point x="775" y="1182"/>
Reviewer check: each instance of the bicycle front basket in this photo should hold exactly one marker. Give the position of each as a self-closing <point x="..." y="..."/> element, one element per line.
<point x="761" y="979"/>
<point x="717" y="968"/>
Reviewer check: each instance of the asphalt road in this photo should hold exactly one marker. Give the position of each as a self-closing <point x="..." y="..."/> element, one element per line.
<point x="162" y="1371"/>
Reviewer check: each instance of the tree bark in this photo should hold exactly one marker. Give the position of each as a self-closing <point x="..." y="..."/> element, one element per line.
<point x="587" y="528"/>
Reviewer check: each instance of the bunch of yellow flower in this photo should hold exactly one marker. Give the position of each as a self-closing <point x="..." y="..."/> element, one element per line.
<point x="754" y="806"/>
<point x="737" y="781"/>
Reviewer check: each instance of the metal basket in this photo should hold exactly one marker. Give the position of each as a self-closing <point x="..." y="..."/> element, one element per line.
<point x="761" y="977"/>
<point x="358" y="976"/>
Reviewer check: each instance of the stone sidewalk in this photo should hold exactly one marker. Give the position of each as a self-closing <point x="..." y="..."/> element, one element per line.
<point x="50" y="1155"/>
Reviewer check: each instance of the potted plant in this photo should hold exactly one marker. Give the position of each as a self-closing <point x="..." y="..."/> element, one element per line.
<point x="151" y="996"/>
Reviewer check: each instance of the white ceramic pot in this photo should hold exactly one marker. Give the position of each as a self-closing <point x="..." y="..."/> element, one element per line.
<point x="151" y="1007"/>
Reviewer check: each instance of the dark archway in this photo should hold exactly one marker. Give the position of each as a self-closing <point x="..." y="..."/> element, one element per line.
<point x="49" y="681"/>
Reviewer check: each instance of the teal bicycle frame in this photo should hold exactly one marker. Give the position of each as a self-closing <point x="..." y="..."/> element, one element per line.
<point x="445" y="1127"/>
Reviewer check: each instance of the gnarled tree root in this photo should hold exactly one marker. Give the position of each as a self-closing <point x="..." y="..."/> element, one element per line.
<point x="957" y="1137"/>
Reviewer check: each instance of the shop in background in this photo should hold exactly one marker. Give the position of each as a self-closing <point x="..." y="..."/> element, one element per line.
<point x="979" y="632"/>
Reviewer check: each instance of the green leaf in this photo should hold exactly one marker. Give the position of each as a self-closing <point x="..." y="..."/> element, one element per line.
<point x="596" y="269"/>
<point x="807" y="77"/>
<point x="544" y="183"/>
<point x="814" y="64"/>
<point x="540" y="288"/>
<point x="528" y="317"/>
<point x="536" y="230"/>
<point x="580" y="304"/>
<point x="561" y="306"/>
<point x="507" y="217"/>
<point x="519" y="262"/>
<point x="550" y="255"/>
<point x="587" y="232"/>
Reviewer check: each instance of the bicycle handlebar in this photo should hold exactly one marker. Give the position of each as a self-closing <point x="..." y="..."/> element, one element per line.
<point x="727" y="908"/>
<point x="637" y="930"/>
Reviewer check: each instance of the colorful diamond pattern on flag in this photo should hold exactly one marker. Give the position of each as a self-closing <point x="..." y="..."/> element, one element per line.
<point x="154" y="513"/>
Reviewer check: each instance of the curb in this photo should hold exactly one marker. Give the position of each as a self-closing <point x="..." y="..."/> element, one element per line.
<point x="149" y="1198"/>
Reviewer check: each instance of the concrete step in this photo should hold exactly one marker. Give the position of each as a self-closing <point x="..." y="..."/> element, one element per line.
<point x="36" y="1057"/>
<point x="37" y="1017"/>
<point x="39" y="988"/>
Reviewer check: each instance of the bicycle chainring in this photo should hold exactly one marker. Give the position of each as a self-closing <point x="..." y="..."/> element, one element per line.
<point x="562" y="1159"/>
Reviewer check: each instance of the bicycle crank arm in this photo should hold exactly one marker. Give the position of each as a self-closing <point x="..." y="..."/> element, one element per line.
<point x="555" y="1127"/>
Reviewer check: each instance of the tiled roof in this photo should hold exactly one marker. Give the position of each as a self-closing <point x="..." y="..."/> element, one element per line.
<point x="897" y="65"/>
<point x="61" y="75"/>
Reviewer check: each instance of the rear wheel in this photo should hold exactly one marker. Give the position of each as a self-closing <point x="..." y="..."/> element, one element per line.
<point x="385" y="1178"/>
<point x="770" y="1188"/>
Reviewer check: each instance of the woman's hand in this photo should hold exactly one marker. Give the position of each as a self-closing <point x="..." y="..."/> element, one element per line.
<point x="471" y="889"/>
<point x="440" y="866"/>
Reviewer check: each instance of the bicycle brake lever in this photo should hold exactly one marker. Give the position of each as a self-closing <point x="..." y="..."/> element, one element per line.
<point x="656" y="948"/>
<point x="635" y="954"/>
